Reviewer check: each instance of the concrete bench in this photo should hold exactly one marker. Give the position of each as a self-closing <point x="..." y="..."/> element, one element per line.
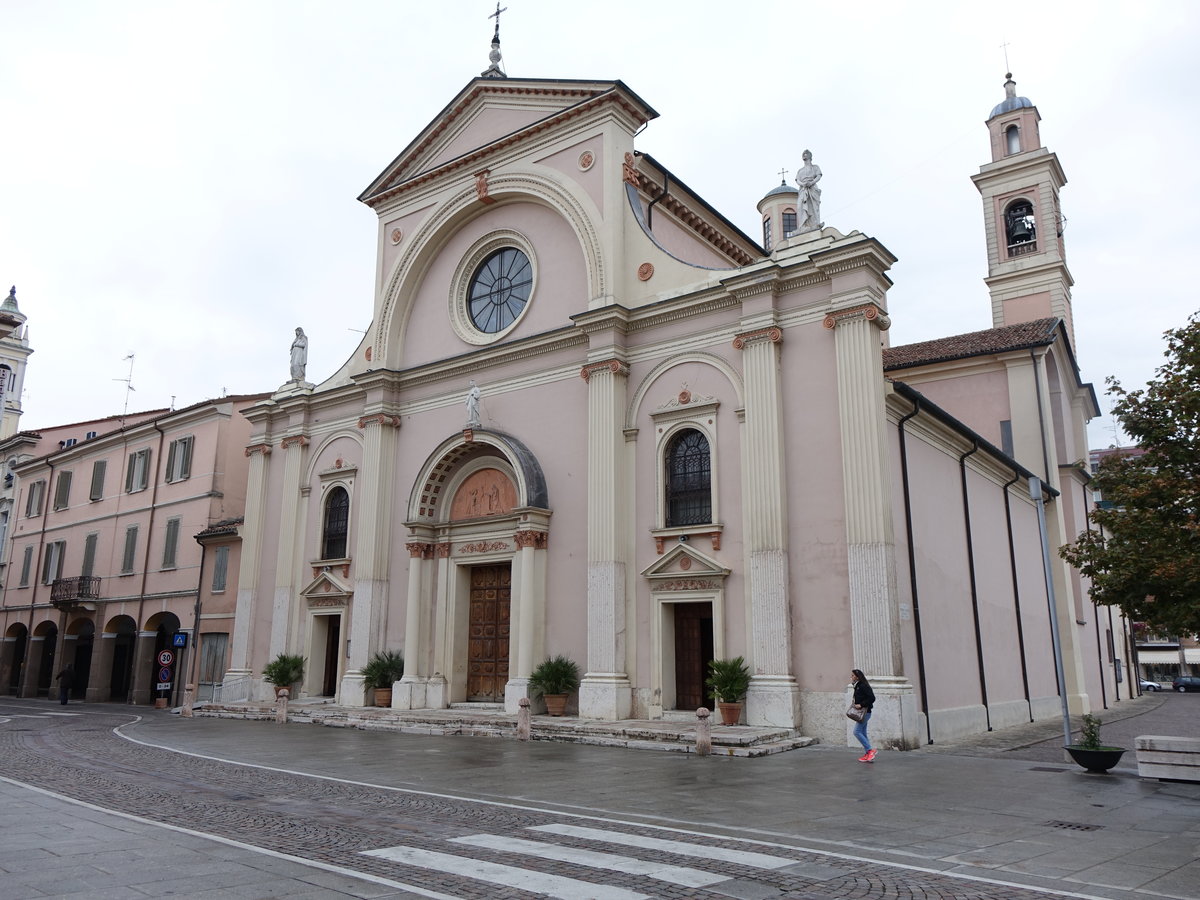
<point x="1162" y="756"/>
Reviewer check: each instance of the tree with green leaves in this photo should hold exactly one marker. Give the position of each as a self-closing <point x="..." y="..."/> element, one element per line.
<point x="1145" y="557"/>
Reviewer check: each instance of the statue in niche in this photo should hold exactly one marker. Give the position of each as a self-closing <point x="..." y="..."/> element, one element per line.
<point x="810" y="195"/>
<point x="299" y="355"/>
<point x="473" y="420"/>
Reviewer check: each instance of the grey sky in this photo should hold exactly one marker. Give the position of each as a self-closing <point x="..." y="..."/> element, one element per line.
<point x="178" y="179"/>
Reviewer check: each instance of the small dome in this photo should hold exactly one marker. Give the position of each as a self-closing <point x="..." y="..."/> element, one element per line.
<point x="1011" y="100"/>
<point x="784" y="188"/>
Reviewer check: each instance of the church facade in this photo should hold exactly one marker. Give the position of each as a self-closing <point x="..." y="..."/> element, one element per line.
<point x="591" y="417"/>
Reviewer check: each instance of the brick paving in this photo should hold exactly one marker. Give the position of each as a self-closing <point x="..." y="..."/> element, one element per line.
<point x="333" y="822"/>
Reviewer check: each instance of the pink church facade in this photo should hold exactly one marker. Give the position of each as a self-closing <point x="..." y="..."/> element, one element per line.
<point x="591" y="417"/>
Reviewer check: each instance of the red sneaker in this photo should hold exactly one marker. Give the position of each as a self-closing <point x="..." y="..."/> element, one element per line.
<point x="866" y="757"/>
<point x="870" y="756"/>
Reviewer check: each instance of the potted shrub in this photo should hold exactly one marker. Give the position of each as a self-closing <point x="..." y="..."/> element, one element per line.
<point x="284" y="671"/>
<point x="729" y="680"/>
<point x="380" y="672"/>
<point x="1089" y="752"/>
<point x="554" y="679"/>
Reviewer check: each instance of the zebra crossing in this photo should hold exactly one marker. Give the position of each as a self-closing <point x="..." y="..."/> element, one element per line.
<point x="540" y="845"/>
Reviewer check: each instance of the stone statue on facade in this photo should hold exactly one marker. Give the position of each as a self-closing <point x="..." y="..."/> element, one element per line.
<point x="809" y="203"/>
<point x="473" y="420"/>
<point x="299" y="355"/>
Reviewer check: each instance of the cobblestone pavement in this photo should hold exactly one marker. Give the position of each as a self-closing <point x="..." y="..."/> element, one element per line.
<point x="420" y="842"/>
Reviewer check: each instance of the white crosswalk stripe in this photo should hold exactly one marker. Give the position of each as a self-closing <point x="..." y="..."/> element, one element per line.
<point x="508" y="876"/>
<point x="680" y="848"/>
<point x="659" y="871"/>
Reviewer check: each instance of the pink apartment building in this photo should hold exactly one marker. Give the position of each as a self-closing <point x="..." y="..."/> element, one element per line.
<point x="122" y="552"/>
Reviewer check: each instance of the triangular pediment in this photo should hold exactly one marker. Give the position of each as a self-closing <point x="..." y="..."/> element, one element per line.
<point x="326" y="584"/>
<point x="490" y="112"/>
<point x="683" y="561"/>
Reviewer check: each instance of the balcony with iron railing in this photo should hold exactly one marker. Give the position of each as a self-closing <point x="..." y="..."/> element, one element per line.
<point x="70" y="592"/>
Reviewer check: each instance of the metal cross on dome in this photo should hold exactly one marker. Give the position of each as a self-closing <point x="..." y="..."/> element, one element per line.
<point x="496" y="15"/>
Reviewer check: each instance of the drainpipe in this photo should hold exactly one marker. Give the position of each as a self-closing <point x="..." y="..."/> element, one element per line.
<point x="189" y="696"/>
<point x="1012" y="563"/>
<point x="153" y="476"/>
<point x="650" y="205"/>
<point x="962" y="472"/>
<point x="912" y="567"/>
<point x="1035" y="492"/>
<point x="36" y="575"/>
<point x="1100" y="658"/>
<point x="1037" y="390"/>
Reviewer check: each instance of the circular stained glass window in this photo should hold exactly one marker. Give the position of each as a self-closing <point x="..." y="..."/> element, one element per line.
<point x="499" y="290"/>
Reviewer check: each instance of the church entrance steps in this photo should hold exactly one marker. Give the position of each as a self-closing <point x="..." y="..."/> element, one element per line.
<point x="470" y="720"/>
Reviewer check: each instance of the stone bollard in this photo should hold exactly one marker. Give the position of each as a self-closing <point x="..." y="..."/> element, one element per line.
<point x="523" y="720"/>
<point x="703" y="732"/>
<point x="189" y="696"/>
<point x="281" y="706"/>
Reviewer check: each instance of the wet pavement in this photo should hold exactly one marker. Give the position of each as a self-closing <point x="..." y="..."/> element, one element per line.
<point x="327" y="812"/>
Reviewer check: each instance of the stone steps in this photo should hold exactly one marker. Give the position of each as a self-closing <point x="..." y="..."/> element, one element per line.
<point x="659" y="734"/>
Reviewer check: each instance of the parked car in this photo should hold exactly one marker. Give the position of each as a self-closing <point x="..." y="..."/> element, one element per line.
<point x="1186" y="683"/>
<point x="1149" y="685"/>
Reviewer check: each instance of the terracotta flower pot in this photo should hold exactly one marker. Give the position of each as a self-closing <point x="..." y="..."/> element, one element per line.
<point x="383" y="696"/>
<point x="731" y="713"/>
<point x="556" y="704"/>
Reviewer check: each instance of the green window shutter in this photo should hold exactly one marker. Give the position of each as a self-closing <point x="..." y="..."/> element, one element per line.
<point x="98" y="468"/>
<point x="89" y="554"/>
<point x="172" y="456"/>
<point x="185" y="464"/>
<point x="220" y="568"/>
<point x="172" y="544"/>
<point x="26" y="564"/>
<point x="146" y="475"/>
<point x="130" y="549"/>
<point x="129" y="473"/>
<point x="62" y="491"/>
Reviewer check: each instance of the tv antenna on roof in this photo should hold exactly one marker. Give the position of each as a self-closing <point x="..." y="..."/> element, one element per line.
<point x="128" y="384"/>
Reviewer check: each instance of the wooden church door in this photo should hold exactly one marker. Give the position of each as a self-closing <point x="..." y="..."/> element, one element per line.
<point x="487" y="653"/>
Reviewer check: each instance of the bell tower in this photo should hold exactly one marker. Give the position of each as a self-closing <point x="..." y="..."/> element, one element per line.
<point x="14" y="356"/>
<point x="1027" y="268"/>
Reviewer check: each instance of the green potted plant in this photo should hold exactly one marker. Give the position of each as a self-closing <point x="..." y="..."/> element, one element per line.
<point x="284" y="671"/>
<point x="554" y="679"/>
<point x="729" y="680"/>
<point x="1089" y="752"/>
<point x="380" y="672"/>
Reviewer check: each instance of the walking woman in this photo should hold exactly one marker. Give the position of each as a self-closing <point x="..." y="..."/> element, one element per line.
<point x="864" y="699"/>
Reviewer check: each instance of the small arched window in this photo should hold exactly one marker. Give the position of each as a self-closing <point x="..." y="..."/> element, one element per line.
<point x="1020" y="228"/>
<point x="337" y="522"/>
<point x="789" y="222"/>
<point x="1012" y="140"/>
<point x="766" y="232"/>
<point x="689" y="480"/>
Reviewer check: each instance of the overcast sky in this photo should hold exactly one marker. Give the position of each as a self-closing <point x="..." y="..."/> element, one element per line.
<point x="178" y="180"/>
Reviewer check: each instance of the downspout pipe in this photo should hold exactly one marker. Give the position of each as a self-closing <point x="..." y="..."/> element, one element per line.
<point x="1037" y="390"/>
<point x="1035" y="491"/>
<point x="650" y="206"/>
<point x="966" y="500"/>
<point x="912" y="565"/>
<point x="153" y="476"/>
<point x="1016" y="587"/>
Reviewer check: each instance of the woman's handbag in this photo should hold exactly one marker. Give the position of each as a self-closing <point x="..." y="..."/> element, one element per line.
<point x="856" y="714"/>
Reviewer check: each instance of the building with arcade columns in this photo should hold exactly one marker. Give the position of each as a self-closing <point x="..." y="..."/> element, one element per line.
<point x="591" y="417"/>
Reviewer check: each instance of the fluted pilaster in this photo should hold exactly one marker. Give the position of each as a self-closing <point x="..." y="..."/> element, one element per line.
<point x="236" y="681"/>
<point x="291" y="530"/>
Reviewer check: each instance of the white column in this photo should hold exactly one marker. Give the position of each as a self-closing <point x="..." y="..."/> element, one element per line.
<point x="410" y="692"/>
<point x="236" y="685"/>
<point x="291" y="527"/>
<point x="606" y="692"/>
<point x="774" y="697"/>
<point x="870" y="544"/>
<point x="530" y="580"/>
<point x="368" y="611"/>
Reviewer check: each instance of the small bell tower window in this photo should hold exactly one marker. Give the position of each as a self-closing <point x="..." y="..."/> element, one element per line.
<point x="789" y="222"/>
<point x="1020" y="228"/>
<point x="767" y="233"/>
<point x="1012" y="140"/>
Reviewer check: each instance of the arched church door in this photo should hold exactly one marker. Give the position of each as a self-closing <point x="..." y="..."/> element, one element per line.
<point x="487" y="646"/>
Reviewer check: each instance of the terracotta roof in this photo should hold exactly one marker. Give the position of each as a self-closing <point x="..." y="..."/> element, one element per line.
<point x="225" y="526"/>
<point x="1021" y="336"/>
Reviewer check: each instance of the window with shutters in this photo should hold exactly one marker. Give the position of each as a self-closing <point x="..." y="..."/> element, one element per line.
<point x="89" y="554"/>
<point x="3" y="535"/>
<point x="26" y="564"/>
<point x="171" y="545"/>
<point x="53" y="562"/>
<point x="137" y="475"/>
<point x="98" y="470"/>
<point x="179" y="459"/>
<point x="34" y="498"/>
<point x="62" y="491"/>
<point x="131" y="534"/>
<point x="220" y="569"/>
<point x="337" y="523"/>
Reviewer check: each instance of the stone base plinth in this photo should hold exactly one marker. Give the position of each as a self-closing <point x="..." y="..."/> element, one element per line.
<point x="773" y="700"/>
<point x="605" y="695"/>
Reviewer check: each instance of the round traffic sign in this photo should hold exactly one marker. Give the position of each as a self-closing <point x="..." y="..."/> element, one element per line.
<point x="165" y="658"/>
<point x="164" y="674"/>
